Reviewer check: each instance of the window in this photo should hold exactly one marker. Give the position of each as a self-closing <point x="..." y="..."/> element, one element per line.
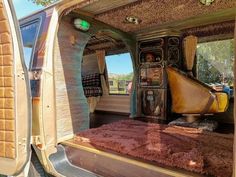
<point x="215" y="63"/>
<point x="29" y="33"/>
<point x="120" y="72"/>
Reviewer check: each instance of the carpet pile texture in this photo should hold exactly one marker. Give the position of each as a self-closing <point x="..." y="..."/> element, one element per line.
<point x="187" y="148"/>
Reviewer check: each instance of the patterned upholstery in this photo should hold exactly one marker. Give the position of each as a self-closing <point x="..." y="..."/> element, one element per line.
<point x="7" y="122"/>
<point x="91" y="80"/>
<point x="92" y="85"/>
<point x="92" y="91"/>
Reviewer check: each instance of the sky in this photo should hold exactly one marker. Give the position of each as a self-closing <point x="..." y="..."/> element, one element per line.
<point x="25" y="7"/>
<point x="119" y="64"/>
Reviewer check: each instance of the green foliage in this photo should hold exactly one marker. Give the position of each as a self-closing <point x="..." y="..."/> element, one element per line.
<point x="215" y="61"/>
<point x="126" y="77"/>
<point x="119" y="77"/>
<point x="119" y="81"/>
<point x="43" y="2"/>
<point x="207" y="72"/>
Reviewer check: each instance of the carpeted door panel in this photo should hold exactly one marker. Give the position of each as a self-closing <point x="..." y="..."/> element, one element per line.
<point x="7" y="121"/>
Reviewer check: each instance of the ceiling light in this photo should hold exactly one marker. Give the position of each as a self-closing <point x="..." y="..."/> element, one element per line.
<point x="132" y="20"/>
<point x="207" y="2"/>
<point x="81" y="24"/>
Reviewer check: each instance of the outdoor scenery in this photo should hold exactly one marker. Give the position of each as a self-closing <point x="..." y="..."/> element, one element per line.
<point x="215" y="63"/>
<point x="120" y="73"/>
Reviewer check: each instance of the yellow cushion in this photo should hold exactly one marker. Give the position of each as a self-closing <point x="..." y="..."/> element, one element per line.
<point x="190" y="96"/>
<point x="220" y="103"/>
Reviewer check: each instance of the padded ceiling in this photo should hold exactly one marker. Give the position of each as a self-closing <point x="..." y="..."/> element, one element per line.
<point x="158" y="12"/>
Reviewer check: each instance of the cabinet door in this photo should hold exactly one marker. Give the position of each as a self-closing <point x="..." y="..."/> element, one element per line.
<point x="153" y="103"/>
<point x="15" y="103"/>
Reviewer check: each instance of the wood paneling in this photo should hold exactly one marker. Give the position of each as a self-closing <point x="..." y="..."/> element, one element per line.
<point x="90" y="65"/>
<point x="114" y="103"/>
<point x="71" y="105"/>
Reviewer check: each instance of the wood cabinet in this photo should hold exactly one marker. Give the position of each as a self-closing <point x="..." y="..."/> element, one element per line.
<point x="153" y="94"/>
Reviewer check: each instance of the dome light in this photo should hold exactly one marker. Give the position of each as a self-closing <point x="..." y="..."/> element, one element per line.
<point x="132" y="20"/>
<point x="207" y="2"/>
<point x="81" y="24"/>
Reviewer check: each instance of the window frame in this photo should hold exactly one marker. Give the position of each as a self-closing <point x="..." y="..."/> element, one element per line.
<point x="37" y="21"/>
<point x="215" y="39"/>
<point x="107" y="76"/>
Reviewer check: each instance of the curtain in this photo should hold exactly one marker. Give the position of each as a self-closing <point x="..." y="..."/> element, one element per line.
<point x="102" y="66"/>
<point x="190" y="46"/>
<point x="92" y="102"/>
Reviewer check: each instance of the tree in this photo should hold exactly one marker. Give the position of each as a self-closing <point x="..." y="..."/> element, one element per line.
<point x="43" y="2"/>
<point x="215" y="61"/>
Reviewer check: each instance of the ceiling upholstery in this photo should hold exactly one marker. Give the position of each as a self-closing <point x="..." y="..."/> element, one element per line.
<point x="158" y="12"/>
<point x="105" y="41"/>
<point x="213" y="31"/>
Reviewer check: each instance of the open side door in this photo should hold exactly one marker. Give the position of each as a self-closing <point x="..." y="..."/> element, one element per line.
<point x="15" y="103"/>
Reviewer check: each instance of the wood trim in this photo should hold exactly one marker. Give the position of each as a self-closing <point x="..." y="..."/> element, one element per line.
<point x="112" y="112"/>
<point x="114" y="103"/>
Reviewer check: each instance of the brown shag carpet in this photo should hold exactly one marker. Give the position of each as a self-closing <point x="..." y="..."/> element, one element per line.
<point x="187" y="148"/>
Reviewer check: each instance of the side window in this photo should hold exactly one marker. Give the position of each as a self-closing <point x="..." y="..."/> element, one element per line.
<point x="215" y="64"/>
<point x="120" y="73"/>
<point x="29" y="34"/>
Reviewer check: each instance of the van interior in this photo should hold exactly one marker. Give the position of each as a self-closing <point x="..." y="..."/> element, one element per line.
<point x="141" y="93"/>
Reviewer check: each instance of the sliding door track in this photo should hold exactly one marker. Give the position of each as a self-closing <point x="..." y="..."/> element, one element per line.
<point x="64" y="167"/>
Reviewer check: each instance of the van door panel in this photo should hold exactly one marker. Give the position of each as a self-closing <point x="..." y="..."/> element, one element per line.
<point x="15" y="106"/>
<point x="7" y="122"/>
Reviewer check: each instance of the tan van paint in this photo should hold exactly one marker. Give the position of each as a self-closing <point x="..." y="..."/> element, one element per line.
<point x="15" y="112"/>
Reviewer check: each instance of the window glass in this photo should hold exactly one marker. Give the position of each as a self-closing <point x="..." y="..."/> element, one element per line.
<point x="215" y="64"/>
<point x="29" y="33"/>
<point x="120" y="73"/>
